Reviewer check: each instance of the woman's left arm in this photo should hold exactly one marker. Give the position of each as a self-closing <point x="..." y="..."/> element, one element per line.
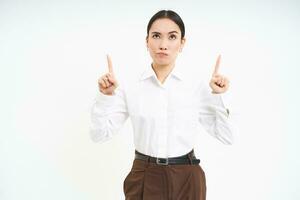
<point x="214" y="113"/>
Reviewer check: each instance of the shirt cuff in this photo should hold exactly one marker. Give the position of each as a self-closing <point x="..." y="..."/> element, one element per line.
<point x="104" y="99"/>
<point x="221" y="100"/>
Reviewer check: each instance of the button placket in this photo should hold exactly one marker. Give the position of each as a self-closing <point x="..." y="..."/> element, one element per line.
<point x="163" y="138"/>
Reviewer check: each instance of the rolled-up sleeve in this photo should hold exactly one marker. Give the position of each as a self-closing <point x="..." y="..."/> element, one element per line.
<point x="215" y="115"/>
<point x="108" y="114"/>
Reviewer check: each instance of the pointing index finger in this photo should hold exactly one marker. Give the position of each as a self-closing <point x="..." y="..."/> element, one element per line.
<point x="217" y="66"/>
<point x="110" y="67"/>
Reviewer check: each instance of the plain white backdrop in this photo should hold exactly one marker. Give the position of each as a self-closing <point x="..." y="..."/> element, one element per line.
<point x="52" y="53"/>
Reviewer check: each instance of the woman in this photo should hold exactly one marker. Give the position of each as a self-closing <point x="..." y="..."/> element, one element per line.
<point x="165" y="108"/>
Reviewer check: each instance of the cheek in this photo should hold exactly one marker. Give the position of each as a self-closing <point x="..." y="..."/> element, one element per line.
<point x="152" y="48"/>
<point x="151" y="51"/>
<point x="175" y="46"/>
<point x="175" y="50"/>
<point x="151" y="44"/>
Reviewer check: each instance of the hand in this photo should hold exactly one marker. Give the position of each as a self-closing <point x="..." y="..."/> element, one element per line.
<point x="108" y="83"/>
<point x="218" y="83"/>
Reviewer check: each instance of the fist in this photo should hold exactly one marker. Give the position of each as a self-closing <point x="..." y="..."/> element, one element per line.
<point x="108" y="83"/>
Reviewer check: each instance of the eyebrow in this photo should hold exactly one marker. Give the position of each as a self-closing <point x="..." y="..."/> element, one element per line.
<point x="154" y="32"/>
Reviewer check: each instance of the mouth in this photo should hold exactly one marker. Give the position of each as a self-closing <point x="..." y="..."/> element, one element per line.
<point x="161" y="54"/>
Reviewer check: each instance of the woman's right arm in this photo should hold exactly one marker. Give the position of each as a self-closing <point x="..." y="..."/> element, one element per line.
<point x="109" y="110"/>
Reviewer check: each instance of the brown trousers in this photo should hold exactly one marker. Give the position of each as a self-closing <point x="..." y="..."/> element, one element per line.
<point x="149" y="181"/>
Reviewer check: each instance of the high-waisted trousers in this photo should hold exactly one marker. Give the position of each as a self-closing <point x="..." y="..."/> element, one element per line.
<point x="150" y="181"/>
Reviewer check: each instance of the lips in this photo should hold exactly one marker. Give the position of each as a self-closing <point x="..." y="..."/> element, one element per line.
<point x="162" y="54"/>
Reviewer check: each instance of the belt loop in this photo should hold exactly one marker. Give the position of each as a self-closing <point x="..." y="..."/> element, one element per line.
<point x="148" y="161"/>
<point x="191" y="160"/>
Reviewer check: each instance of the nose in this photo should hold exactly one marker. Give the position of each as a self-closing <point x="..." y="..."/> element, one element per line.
<point x="163" y="45"/>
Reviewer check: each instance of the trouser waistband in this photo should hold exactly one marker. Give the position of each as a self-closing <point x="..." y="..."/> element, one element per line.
<point x="188" y="158"/>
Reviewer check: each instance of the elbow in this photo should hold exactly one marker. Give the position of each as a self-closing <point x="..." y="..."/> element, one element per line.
<point x="225" y="135"/>
<point x="225" y="138"/>
<point x="225" y="132"/>
<point x="94" y="137"/>
<point x="97" y="136"/>
<point x="228" y="141"/>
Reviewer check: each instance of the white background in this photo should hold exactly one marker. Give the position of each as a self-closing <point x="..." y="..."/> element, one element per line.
<point x="52" y="53"/>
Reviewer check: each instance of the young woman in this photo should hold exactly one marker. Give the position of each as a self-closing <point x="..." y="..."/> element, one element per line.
<point x="165" y="107"/>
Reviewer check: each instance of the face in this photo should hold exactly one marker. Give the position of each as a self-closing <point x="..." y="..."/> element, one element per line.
<point x="164" y="42"/>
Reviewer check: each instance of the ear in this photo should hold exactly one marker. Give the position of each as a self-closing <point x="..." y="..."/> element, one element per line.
<point x="147" y="41"/>
<point x="183" y="41"/>
<point x="182" y="44"/>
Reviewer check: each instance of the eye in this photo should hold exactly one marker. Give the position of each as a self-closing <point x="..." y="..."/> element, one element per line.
<point x="155" y="36"/>
<point x="173" y="37"/>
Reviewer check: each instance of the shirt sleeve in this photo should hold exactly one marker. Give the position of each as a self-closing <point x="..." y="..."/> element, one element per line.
<point x="108" y="114"/>
<point x="215" y="115"/>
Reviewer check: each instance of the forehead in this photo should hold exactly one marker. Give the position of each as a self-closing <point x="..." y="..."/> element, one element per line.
<point x="164" y="25"/>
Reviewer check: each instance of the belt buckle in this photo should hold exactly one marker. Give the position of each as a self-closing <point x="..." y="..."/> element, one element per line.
<point x="158" y="161"/>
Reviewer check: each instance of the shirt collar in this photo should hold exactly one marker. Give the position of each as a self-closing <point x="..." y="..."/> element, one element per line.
<point x="149" y="72"/>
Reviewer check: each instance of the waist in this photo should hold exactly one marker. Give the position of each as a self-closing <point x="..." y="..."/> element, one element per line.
<point x="188" y="158"/>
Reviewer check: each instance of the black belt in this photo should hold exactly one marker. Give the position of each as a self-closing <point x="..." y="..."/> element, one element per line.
<point x="188" y="158"/>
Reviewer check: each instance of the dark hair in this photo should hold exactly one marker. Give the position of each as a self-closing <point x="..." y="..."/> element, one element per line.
<point x="170" y="15"/>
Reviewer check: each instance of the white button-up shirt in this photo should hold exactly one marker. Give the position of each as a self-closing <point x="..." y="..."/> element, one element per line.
<point x="165" y="117"/>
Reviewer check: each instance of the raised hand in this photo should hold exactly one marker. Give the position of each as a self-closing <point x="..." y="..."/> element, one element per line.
<point x="218" y="83"/>
<point x="108" y="83"/>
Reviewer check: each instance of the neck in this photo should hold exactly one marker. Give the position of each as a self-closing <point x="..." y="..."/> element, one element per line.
<point x="162" y="71"/>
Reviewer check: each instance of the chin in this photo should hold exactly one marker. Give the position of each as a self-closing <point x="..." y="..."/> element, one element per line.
<point x="162" y="63"/>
